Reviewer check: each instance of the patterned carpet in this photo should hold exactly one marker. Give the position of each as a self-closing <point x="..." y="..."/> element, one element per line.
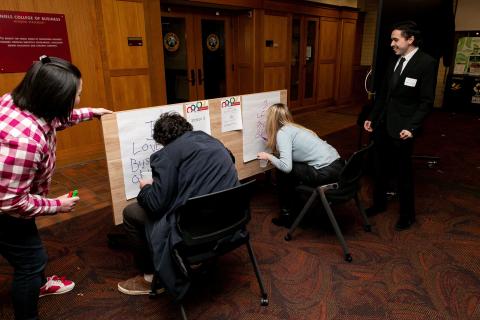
<point x="431" y="271"/>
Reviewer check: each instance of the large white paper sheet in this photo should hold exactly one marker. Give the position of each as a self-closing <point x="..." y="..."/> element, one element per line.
<point x="231" y="108"/>
<point x="135" y="129"/>
<point x="254" y="112"/>
<point x="198" y="114"/>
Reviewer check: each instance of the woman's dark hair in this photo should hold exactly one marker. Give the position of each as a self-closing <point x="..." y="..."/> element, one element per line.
<point x="409" y="29"/>
<point x="48" y="89"/>
<point x="169" y="127"/>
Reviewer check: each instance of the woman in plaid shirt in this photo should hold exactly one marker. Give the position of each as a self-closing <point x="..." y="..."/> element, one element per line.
<point x="40" y="105"/>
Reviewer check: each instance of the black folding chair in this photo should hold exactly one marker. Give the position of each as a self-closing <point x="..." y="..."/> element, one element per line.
<point x="213" y="225"/>
<point x="339" y="192"/>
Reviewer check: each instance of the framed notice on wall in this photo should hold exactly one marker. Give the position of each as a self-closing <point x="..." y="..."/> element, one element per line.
<point x="24" y="36"/>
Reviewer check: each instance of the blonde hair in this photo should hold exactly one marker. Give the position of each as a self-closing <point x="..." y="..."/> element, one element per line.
<point x="278" y="115"/>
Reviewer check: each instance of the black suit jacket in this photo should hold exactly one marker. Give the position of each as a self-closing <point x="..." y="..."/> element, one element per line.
<point x="407" y="104"/>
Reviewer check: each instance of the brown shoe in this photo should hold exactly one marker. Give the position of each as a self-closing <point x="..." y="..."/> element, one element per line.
<point x="136" y="286"/>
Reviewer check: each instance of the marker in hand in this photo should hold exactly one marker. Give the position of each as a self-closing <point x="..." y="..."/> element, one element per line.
<point x="73" y="193"/>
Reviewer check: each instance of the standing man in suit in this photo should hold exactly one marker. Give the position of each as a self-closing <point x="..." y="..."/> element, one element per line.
<point x="400" y="107"/>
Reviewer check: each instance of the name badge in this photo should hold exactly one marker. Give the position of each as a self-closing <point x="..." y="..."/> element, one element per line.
<point x="410" y="82"/>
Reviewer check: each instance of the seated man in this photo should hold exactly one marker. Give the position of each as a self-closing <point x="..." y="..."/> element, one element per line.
<point x="192" y="163"/>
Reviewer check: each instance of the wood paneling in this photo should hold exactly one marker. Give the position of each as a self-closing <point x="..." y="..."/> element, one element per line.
<point x="328" y="40"/>
<point x="153" y="28"/>
<point x="305" y="8"/>
<point x="131" y="92"/>
<point x="347" y="43"/>
<point x="119" y="76"/>
<point x="245" y="39"/>
<point x="326" y="82"/>
<point x="327" y="58"/>
<point x="275" y="29"/>
<point x="275" y="64"/>
<point x="236" y="3"/>
<point x="258" y="23"/>
<point x="275" y="78"/>
<point x="123" y="19"/>
<point x="245" y="84"/>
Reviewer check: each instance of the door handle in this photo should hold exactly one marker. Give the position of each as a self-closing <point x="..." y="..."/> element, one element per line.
<point x="192" y="77"/>
<point x="200" y="78"/>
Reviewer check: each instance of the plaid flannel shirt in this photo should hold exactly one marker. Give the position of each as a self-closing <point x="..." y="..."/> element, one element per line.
<point x="27" y="159"/>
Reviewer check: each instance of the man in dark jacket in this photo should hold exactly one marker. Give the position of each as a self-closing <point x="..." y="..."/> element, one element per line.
<point x="192" y="163"/>
<point x="401" y="105"/>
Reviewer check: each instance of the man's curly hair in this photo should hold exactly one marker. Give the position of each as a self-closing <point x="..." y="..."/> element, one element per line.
<point x="169" y="127"/>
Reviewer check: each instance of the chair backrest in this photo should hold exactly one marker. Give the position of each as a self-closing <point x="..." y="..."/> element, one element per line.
<point x="350" y="175"/>
<point x="353" y="169"/>
<point x="214" y="216"/>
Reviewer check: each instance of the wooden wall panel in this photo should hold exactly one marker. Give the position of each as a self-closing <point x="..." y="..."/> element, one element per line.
<point x="328" y="40"/>
<point x="131" y="92"/>
<point x="82" y="142"/>
<point x="276" y="29"/>
<point x="275" y="78"/>
<point x="245" y="84"/>
<point x="8" y="81"/>
<point x="155" y="52"/>
<point x="326" y="82"/>
<point x="123" y="19"/>
<point x="245" y="37"/>
<point x="345" y="73"/>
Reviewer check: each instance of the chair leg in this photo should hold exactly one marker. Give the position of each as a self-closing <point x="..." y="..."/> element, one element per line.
<point x="366" y="224"/>
<point x="264" y="299"/>
<point x="348" y="256"/>
<point x="182" y="311"/>
<point x="304" y="211"/>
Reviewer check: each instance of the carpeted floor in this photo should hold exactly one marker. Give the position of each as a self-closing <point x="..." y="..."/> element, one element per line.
<point x="429" y="272"/>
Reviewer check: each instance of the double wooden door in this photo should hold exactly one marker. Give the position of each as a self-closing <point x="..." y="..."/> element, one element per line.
<point x="197" y="56"/>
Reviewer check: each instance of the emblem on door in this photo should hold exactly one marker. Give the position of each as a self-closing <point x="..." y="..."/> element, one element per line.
<point x="171" y="42"/>
<point x="213" y="42"/>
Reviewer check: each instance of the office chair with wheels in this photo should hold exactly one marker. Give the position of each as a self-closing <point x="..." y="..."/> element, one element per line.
<point x="345" y="189"/>
<point x="213" y="225"/>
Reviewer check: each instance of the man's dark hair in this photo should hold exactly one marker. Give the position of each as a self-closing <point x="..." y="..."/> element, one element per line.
<point x="169" y="127"/>
<point x="409" y="29"/>
<point x="48" y="89"/>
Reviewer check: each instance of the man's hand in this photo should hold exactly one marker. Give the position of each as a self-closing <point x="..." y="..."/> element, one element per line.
<point x="367" y="125"/>
<point x="405" y="134"/>
<point x="67" y="203"/>
<point x="144" y="182"/>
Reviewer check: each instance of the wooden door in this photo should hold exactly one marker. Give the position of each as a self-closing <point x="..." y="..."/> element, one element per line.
<point x="197" y="56"/>
<point x="327" y="60"/>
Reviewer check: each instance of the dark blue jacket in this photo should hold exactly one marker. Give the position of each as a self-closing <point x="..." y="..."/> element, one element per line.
<point x="194" y="164"/>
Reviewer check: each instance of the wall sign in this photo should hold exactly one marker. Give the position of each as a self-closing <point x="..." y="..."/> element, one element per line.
<point x="24" y="36"/>
<point x="135" y="41"/>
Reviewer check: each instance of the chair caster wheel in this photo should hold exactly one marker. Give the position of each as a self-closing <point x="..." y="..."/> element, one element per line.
<point x="348" y="257"/>
<point x="288" y="237"/>
<point x="264" y="302"/>
<point x="368" y="228"/>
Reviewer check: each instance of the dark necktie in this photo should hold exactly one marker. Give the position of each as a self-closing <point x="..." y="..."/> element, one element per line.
<point x="397" y="72"/>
